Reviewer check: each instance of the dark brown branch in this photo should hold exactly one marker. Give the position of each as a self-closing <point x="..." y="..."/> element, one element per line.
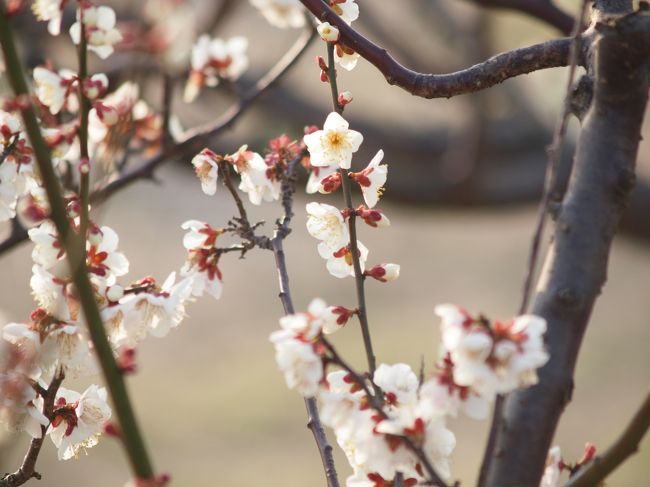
<point x="576" y="265"/>
<point x="495" y="70"/>
<point x="544" y="10"/>
<point x="625" y="446"/>
<point x="27" y="470"/>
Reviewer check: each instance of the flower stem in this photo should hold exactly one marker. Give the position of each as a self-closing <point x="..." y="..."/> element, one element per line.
<point x="72" y="242"/>
<point x="359" y="277"/>
<point x="84" y="109"/>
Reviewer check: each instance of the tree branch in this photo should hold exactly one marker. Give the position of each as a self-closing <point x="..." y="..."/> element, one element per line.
<point x="544" y="10"/>
<point x="27" y="469"/>
<point x="495" y="70"/>
<point x="625" y="446"/>
<point x="576" y="264"/>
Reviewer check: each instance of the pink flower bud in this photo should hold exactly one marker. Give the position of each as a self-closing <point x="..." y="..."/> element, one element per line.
<point x="384" y="272"/>
<point x="345" y="98"/>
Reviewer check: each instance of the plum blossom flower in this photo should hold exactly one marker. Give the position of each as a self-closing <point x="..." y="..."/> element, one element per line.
<point x="257" y="178"/>
<point x="99" y="25"/>
<point x="207" y="169"/>
<point x="55" y="90"/>
<point x="554" y="467"/>
<point x="326" y="223"/>
<point x="334" y="145"/>
<point x="78" y="420"/>
<point x="301" y="365"/>
<point x="328" y="32"/>
<point x="346" y="57"/>
<point x="324" y="179"/>
<point x="493" y="358"/>
<point x="398" y="381"/>
<point x="213" y="59"/>
<point x="372" y="217"/>
<point x="203" y="258"/>
<point x="340" y="262"/>
<point x="47" y="251"/>
<point x="281" y="13"/>
<point x="338" y="316"/>
<point x="384" y="272"/>
<point x="50" y="11"/>
<point x="104" y="262"/>
<point x="151" y="309"/>
<point x="372" y="179"/>
<point x="346" y="9"/>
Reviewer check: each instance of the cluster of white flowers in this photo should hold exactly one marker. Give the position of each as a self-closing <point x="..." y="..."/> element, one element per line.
<point x="331" y="150"/>
<point x="213" y="59"/>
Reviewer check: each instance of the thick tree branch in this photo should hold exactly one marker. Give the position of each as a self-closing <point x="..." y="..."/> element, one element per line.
<point x="626" y="445"/>
<point x="495" y="70"/>
<point x="576" y="263"/>
<point x="544" y="10"/>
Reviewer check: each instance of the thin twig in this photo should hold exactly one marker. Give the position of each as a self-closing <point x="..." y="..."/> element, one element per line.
<point x="594" y="472"/>
<point x="359" y="277"/>
<point x="550" y="181"/>
<point x="281" y="232"/>
<point x="27" y="469"/>
<point x="506" y="65"/>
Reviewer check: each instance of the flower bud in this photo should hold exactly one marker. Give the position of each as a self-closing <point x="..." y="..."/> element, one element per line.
<point x="328" y="32"/>
<point x="344" y="98"/>
<point x="384" y="272"/>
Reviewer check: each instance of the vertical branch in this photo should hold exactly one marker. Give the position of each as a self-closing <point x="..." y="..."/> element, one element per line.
<point x="359" y="277"/>
<point x="277" y="245"/>
<point x="576" y="264"/>
<point x="72" y="242"/>
<point x="84" y="110"/>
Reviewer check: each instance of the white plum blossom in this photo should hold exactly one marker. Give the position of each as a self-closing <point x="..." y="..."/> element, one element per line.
<point x="50" y="11"/>
<point x="326" y="223"/>
<point x="8" y="190"/>
<point x="372" y="179"/>
<point x="372" y="217"/>
<point x="317" y="177"/>
<point x="340" y="262"/>
<point x="255" y="176"/>
<point x="492" y="358"/>
<point x="54" y="90"/>
<point x="328" y="32"/>
<point x="334" y="145"/>
<point x="553" y="468"/>
<point x="348" y="10"/>
<point x="99" y="25"/>
<point x="78" y="420"/>
<point x="104" y="262"/>
<point x="297" y="360"/>
<point x="213" y="59"/>
<point x="346" y="57"/>
<point x="281" y="13"/>
<point x="202" y="261"/>
<point x="398" y="381"/>
<point x="207" y="169"/>
<point x="149" y="309"/>
<point x="47" y="251"/>
<point x="53" y="293"/>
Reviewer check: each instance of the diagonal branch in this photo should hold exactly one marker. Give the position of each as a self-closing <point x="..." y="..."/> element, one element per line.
<point x="625" y="446"/>
<point x="550" y="54"/>
<point x="544" y="10"/>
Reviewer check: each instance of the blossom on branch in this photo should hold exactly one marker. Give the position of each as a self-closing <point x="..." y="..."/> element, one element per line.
<point x="50" y="11"/>
<point x="99" y="26"/>
<point x="203" y="258"/>
<point x="258" y="179"/>
<point x="334" y="145"/>
<point x="207" y="169"/>
<point x="55" y="90"/>
<point x="326" y="223"/>
<point x="78" y="420"/>
<point x="281" y="13"/>
<point x="340" y="262"/>
<point x="348" y="10"/>
<point x="371" y="180"/>
<point x="213" y="59"/>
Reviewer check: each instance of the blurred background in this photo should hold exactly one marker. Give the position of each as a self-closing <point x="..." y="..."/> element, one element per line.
<point x="465" y="177"/>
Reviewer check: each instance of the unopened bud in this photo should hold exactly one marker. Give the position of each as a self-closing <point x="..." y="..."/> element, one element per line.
<point x="384" y="272"/>
<point x="345" y="98"/>
<point x="372" y="217"/>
